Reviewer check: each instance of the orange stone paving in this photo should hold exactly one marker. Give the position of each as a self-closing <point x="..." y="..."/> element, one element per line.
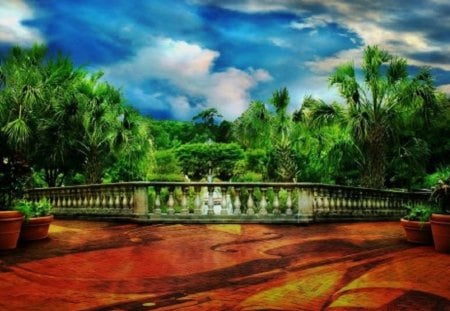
<point x="93" y="265"/>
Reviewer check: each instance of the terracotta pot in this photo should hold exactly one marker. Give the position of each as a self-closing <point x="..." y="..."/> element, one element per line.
<point x="10" y="225"/>
<point x="440" y="226"/>
<point x="36" y="228"/>
<point x="417" y="231"/>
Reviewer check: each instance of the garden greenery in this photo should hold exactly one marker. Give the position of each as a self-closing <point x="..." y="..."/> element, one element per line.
<point x="62" y="125"/>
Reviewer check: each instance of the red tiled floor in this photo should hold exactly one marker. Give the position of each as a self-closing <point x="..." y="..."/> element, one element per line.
<point x="106" y="266"/>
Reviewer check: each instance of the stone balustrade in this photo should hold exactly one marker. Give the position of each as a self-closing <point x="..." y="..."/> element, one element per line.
<point x="228" y="202"/>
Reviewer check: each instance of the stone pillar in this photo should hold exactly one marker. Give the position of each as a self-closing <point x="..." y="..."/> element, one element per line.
<point x="140" y="202"/>
<point x="305" y="204"/>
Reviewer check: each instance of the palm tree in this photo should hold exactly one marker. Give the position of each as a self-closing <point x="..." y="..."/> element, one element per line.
<point x="252" y="129"/>
<point x="283" y="157"/>
<point x="374" y="108"/>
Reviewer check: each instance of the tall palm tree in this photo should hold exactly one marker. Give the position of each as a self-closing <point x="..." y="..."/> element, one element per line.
<point x="283" y="157"/>
<point x="252" y="129"/>
<point x="375" y="106"/>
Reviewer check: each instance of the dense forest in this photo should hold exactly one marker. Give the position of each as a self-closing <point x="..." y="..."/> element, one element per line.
<point x="62" y="125"/>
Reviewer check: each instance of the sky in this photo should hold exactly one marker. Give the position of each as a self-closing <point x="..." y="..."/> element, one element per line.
<point x="175" y="58"/>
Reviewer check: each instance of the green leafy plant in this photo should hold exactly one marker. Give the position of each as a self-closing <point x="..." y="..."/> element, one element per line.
<point x="34" y="209"/>
<point x="419" y="212"/>
<point x="441" y="195"/>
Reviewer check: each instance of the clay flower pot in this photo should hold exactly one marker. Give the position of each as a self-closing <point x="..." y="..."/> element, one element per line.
<point x="440" y="226"/>
<point x="417" y="231"/>
<point x="10" y="225"/>
<point x="36" y="228"/>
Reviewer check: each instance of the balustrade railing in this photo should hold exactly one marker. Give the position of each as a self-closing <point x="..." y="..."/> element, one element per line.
<point x="228" y="202"/>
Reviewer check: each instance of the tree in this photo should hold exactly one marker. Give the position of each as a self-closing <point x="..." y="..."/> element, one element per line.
<point x="197" y="159"/>
<point x="133" y="148"/>
<point x="373" y="109"/>
<point x="37" y="108"/>
<point x="252" y="128"/>
<point x="283" y="163"/>
<point x="206" y="122"/>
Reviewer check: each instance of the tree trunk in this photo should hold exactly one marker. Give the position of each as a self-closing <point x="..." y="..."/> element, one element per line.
<point x="374" y="173"/>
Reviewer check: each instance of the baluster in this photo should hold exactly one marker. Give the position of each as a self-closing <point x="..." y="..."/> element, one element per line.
<point x="198" y="201"/>
<point x="316" y="201"/>
<point x="348" y="208"/>
<point x="263" y="202"/>
<point x="91" y="200"/>
<point x="157" y="210"/>
<point x="124" y="198"/>
<point x="223" y="204"/>
<point x="339" y="200"/>
<point x="332" y="201"/>
<point x="184" y="206"/>
<point x="276" y="201"/>
<point x="62" y="199"/>
<point x="289" y="201"/>
<point x="250" y="203"/>
<point x="80" y="198"/>
<point x="321" y="201"/>
<point x="210" y="200"/>
<point x="360" y="206"/>
<point x="69" y="199"/>
<point x="108" y="198"/>
<point x="117" y="197"/>
<point x="171" y="202"/>
<point x="237" y="201"/>
<point x="58" y="200"/>
<point x="323" y="195"/>
<point x="85" y="198"/>
<point x="131" y="200"/>
<point x="96" y="198"/>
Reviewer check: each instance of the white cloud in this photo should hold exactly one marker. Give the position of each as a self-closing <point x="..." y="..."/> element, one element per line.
<point x="180" y="107"/>
<point x="328" y="64"/>
<point x="280" y="42"/>
<point x="374" y="23"/>
<point x="444" y="88"/>
<point x="12" y="14"/>
<point x="189" y="67"/>
<point x="313" y="22"/>
<point x="249" y="6"/>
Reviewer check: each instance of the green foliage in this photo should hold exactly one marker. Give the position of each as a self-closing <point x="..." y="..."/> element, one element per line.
<point x="252" y="129"/>
<point x="197" y="159"/>
<point x="34" y="209"/>
<point x="420" y="212"/>
<point x="63" y="121"/>
<point x="377" y="108"/>
<point x="61" y="125"/>
<point x="432" y="180"/>
<point x="249" y="177"/>
<point x="441" y="194"/>
<point x="165" y="167"/>
<point x="167" y="134"/>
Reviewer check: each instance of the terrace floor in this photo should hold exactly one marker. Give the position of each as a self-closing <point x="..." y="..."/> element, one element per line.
<point x="116" y="266"/>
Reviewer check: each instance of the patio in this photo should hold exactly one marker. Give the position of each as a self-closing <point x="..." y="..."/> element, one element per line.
<point x="92" y="265"/>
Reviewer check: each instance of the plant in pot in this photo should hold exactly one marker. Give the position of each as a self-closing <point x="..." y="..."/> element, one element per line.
<point x="440" y="222"/>
<point x="417" y="223"/>
<point x="10" y="226"/>
<point x="37" y="219"/>
<point x="13" y="175"/>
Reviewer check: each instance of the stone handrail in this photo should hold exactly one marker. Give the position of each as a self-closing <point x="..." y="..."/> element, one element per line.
<point x="228" y="202"/>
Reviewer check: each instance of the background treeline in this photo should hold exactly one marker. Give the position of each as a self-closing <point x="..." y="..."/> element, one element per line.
<point x="61" y="125"/>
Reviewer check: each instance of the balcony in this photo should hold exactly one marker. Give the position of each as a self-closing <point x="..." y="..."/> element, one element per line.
<point x="200" y="202"/>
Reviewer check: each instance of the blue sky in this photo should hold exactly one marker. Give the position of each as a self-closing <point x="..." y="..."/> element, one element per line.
<point x="174" y="58"/>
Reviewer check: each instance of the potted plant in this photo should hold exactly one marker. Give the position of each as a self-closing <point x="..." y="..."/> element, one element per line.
<point x="37" y="219"/>
<point x="440" y="222"/>
<point x="10" y="225"/>
<point x="417" y="224"/>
